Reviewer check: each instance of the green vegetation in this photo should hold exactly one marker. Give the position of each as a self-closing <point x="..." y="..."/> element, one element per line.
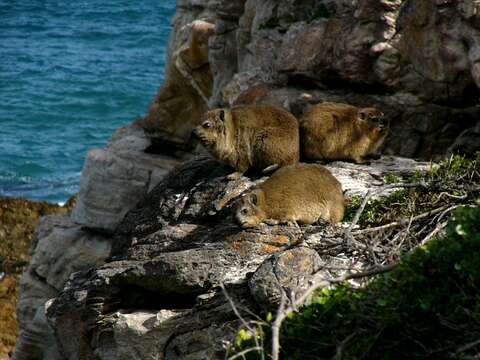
<point x="457" y="178"/>
<point x="428" y="307"/>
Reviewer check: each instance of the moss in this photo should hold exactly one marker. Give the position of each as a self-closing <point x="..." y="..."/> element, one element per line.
<point x="391" y="179"/>
<point x="18" y="219"/>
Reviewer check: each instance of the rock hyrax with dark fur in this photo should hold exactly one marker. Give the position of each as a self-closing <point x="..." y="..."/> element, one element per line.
<point x="250" y="137"/>
<point x="300" y="193"/>
<point x="334" y="131"/>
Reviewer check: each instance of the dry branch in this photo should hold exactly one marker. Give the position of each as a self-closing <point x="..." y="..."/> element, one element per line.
<point x="370" y="193"/>
<point x="318" y="282"/>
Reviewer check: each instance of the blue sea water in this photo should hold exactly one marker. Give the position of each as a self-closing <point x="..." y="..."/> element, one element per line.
<point x="71" y="72"/>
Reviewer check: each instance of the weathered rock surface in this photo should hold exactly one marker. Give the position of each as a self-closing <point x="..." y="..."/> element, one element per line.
<point x="61" y="248"/>
<point x="116" y="178"/>
<point x="357" y="179"/>
<point x="288" y="272"/>
<point x="418" y="61"/>
<point x="18" y="220"/>
<point x="159" y="295"/>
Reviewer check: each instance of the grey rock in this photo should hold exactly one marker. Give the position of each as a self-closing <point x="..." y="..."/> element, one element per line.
<point x="138" y="335"/>
<point x="129" y="138"/>
<point x="288" y="272"/>
<point x="37" y="341"/>
<point x="116" y="178"/>
<point x="33" y="294"/>
<point x="358" y="179"/>
<point x="61" y="248"/>
<point x="159" y="295"/>
<point x="65" y="250"/>
<point x="467" y="142"/>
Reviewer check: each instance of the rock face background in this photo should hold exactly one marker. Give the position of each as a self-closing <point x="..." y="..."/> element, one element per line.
<point x="419" y="61"/>
<point x="135" y="270"/>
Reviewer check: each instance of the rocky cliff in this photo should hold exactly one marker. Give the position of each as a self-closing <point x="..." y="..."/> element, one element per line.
<point x="419" y="61"/>
<point x="137" y="269"/>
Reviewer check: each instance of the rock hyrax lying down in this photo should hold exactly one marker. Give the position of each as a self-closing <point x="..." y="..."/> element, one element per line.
<point x="250" y="137"/>
<point x="334" y="131"/>
<point x="302" y="193"/>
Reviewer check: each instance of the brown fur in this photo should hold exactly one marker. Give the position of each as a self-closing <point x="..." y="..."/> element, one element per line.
<point x="183" y="97"/>
<point x="197" y="50"/>
<point x="251" y="137"/>
<point x="334" y="131"/>
<point x="303" y="193"/>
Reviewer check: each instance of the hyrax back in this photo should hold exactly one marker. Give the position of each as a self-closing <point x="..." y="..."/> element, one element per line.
<point x="334" y="131"/>
<point x="303" y="193"/>
<point x="251" y="137"/>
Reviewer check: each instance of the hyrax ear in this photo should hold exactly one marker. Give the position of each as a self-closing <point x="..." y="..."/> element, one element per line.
<point x="253" y="199"/>
<point x="221" y="115"/>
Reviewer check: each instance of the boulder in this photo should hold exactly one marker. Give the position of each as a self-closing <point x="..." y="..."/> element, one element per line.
<point x="61" y="248"/>
<point x="416" y="60"/>
<point x="289" y="273"/>
<point x="116" y="178"/>
<point x="180" y="265"/>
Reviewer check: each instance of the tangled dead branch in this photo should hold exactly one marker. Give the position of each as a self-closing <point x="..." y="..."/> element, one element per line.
<point x="411" y="217"/>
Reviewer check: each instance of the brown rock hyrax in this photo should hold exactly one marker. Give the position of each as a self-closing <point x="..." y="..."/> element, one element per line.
<point x="250" y="137"/>
<point x="300" y="193"/>
<point x="334" y="131"/>
<point x="184" y="95"/>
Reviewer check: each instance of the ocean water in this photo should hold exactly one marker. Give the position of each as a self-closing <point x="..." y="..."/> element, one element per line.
<point x="71" y="72"/>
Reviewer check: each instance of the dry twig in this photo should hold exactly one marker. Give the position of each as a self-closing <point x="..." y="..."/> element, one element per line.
<point x="244" y="322"/>
<point x="370" y="193"/>
<point x="400" y="222"/>
<point x="438" y="228"/>
<point x="241" y="354"/>
<point x="317" y="283"/>
<point x="468" y="346"/>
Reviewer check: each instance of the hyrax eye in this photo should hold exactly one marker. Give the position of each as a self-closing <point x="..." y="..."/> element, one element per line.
<point x="207" y="125"/>
<point x="244" y="211"/>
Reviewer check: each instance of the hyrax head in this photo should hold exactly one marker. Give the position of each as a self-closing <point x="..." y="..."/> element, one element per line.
<point x="248" y="210"/>
<point x="373" y="119"/>
<point x="212" y="127"/>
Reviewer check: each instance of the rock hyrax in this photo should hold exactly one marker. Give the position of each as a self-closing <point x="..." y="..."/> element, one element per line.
<point x="302" y="193"/>
<point x="250" y="137"/>
<point x="334" y="131"/>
